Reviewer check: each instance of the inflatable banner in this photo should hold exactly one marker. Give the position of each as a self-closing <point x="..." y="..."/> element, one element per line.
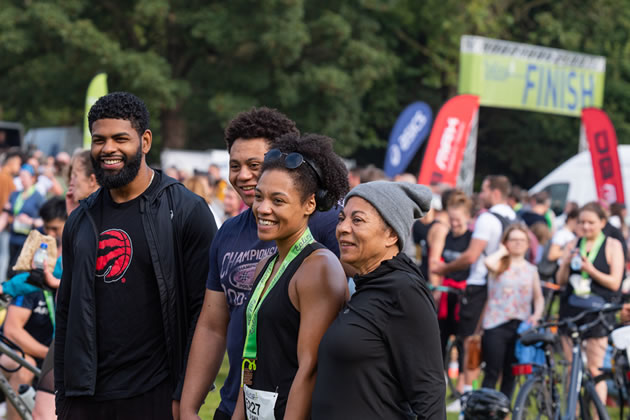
<point x="602" y="143"/>
<point x="97" y="88"/>
<point x="448" y="139"/>
<point x="411" y="129"/>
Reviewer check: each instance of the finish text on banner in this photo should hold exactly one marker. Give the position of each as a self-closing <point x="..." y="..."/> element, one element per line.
<point x="447" y="141"/>
<point x="602" y="143"/>
<point x="507" y="74"/>
<point x="410" y="130"/>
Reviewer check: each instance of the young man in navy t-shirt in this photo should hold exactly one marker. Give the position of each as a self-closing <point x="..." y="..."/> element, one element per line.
<point x="235" y="252"/>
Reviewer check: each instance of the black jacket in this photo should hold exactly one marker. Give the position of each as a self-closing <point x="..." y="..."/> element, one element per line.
<point x="179" y="244"/>
<point x="381" y="358"/>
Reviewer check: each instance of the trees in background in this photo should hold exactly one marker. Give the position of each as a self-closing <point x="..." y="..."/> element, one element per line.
<point x="345" y="69"/>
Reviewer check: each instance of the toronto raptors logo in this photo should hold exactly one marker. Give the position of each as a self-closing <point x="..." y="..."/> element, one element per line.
<point x="114" y="255"/>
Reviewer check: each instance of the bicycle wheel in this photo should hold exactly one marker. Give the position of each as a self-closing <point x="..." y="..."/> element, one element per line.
<point x="591" y="407"/>
<point x="616" y="388"/>
<point x="534" y="400"/>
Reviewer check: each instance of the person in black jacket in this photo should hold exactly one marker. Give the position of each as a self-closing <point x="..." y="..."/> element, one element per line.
<point x="381" y="357"/>
<point x="134" y="268"/>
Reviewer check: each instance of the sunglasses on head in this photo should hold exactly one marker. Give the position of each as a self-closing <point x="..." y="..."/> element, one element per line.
<point x="292" y="161"/>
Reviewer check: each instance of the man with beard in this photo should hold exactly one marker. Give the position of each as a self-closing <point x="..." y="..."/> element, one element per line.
<point x="134" y="269"/>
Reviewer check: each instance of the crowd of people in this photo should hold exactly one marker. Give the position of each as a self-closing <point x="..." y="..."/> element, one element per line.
<point x="334" y="292"/>
<point x="493" y="251"/>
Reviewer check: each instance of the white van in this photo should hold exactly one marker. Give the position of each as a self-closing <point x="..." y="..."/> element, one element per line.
<point x="574" y="181"/>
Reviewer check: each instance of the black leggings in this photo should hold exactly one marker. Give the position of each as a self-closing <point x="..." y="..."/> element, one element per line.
<point x="448" y="327"/>
<point x="46" y="381"/>
<point x="497" y="347"/>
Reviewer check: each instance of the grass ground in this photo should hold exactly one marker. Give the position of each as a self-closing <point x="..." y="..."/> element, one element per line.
<point x="213" y="399"/>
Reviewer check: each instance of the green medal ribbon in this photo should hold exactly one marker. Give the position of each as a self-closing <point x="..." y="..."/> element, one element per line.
<point x="51" y="307"/>
<point x="19" y="201"/>
<point x="251" y="347"/>
<point x="594" y="250"/>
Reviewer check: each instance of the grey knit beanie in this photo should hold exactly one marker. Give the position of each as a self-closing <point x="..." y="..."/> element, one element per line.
<point x="398" y="203"/>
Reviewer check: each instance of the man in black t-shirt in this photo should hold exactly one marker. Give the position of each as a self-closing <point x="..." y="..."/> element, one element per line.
<point x="134" y="270"/>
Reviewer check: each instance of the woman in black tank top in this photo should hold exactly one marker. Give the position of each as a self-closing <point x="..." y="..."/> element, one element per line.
<point x="299" y="290"/>
<point x="458" y="208"/>
<point x="591" y="265"/>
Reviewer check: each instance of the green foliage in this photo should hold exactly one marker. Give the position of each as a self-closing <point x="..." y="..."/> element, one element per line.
<point x="345" y="69"/>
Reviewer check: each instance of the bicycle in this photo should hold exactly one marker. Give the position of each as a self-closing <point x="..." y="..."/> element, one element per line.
<point x="618" y="374"/>
<point x="540" y="397"/>
<point x="13" y="351"/>
<point x="551" y="292"/>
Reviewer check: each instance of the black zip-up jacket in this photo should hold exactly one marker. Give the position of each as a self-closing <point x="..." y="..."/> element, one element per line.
<point x="381" y="358"/>
<point x="179" y="244"/>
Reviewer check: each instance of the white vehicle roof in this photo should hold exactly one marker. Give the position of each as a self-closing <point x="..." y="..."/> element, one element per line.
<point x="574" y="181"/>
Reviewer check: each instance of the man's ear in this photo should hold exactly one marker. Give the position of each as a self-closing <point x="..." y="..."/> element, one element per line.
<point x="147" y="140"/>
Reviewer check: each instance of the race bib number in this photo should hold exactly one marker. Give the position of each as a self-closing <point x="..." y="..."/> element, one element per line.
<point x="259" y="405"/>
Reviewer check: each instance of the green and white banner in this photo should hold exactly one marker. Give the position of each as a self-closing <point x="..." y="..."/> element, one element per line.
<point x="511" y="75"/>
<point x="96" y="89"/>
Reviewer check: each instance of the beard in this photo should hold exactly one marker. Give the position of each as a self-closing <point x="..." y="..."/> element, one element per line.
<point x="128" y="173"/>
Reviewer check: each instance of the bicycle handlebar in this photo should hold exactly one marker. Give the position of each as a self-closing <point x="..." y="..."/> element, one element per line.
<point x="606" y="308"/>
<point x="556" y="288"/>
<point x="445" y="289"/>
<point x="600" y="319"/>
<point x="14" y="352"/>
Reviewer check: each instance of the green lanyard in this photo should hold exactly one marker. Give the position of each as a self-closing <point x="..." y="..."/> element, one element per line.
<point x="594" y="250"/>
<point x="19" y="201"/>
<point x="51" y="307"/>
<point x="250" y="349"/>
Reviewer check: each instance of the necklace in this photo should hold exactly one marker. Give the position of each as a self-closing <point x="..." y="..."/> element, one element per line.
<point x="151" y="180"/>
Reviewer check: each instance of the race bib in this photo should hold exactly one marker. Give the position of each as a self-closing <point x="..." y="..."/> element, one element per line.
<point x="259" y="405"/>
<point x="581" y="286"/>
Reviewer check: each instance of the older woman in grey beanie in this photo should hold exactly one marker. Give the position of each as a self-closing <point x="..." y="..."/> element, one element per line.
<point x="381" y="357"/>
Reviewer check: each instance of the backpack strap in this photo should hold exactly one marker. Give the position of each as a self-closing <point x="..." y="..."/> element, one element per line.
<point x="505" y="222"/>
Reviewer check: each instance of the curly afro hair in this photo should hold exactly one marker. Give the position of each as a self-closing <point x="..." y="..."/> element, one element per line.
<point x="318" y="151"/>
<point x="121" y="106"/>
<point x="256" y="123"/>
